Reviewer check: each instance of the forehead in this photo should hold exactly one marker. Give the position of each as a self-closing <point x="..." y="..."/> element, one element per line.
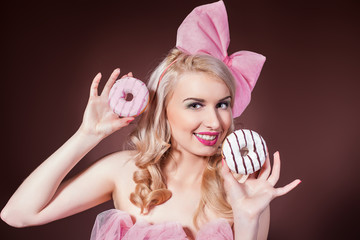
<point x="200" y="85"/>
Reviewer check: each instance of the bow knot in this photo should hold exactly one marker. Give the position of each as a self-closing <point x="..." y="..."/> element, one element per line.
<point x="206" y="30"/>
<point x="228" y="61"/>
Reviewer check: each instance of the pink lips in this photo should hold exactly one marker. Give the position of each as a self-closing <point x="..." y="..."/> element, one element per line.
<point x="208" y="142"/>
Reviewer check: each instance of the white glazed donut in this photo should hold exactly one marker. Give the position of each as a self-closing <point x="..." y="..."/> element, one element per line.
<point x="244" y="151"/>
<point x="128" y="97"/>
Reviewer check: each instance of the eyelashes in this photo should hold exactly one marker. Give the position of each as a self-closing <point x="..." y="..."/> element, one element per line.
<point x="195" y="105"/>
<point x="223" y="105"/>
<point x="198" y="105"/>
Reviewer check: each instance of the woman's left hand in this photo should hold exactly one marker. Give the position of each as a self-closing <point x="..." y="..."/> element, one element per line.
<point x="251" y="198"/>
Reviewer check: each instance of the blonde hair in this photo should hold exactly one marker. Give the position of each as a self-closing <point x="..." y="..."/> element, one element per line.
<point x="151" y="139"/>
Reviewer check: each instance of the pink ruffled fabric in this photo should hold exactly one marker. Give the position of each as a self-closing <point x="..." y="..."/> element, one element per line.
<point x="114" y="224"/>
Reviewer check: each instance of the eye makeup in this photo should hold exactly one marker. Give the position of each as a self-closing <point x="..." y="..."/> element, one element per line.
<point x="196" y="103"/>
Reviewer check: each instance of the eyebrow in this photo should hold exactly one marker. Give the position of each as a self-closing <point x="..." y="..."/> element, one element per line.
<point x="202" y="100"/>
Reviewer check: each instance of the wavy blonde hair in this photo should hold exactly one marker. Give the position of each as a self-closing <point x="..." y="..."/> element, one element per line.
<point x="151" y="139"/>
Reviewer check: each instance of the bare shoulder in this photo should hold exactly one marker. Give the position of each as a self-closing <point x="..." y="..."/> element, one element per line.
<point x="120" y="167"/>
<point x="120" y="162"/>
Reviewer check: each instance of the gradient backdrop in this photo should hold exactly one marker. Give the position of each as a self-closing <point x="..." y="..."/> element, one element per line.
<point x="306" y="102"/>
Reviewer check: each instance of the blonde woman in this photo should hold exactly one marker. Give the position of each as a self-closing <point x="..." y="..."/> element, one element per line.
<point x="172" y="185"/>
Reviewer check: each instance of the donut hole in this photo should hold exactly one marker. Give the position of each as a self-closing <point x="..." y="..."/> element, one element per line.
<point x="128" y="97"/>
<point x="244" y="151"/>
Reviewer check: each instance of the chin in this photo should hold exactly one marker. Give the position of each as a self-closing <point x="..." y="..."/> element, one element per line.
<point x="207" y="153"/>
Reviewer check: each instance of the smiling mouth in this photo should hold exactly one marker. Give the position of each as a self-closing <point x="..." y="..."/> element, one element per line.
<point x="208" y="139"/>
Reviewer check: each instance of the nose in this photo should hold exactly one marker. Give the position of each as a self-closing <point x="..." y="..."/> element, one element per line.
<point x="212" y="119"/>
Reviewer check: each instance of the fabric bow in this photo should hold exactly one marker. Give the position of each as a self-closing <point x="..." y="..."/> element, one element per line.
<point x="206" y="30"/>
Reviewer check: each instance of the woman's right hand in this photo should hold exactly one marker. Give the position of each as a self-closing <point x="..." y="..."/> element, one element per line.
<point x="43" y="196"/>
<point x="99" y="119"/>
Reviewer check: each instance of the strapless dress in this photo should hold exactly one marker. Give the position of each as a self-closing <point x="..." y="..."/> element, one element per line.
<point x="115" y="224"/>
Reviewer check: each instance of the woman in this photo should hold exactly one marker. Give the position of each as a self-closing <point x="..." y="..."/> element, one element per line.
<point x="173" y="184"/>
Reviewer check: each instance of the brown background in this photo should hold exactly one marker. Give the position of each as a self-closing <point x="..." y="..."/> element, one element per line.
<point x="305" y="103"/>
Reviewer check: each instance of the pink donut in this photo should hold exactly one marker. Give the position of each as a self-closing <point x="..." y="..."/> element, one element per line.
<point x="128" y="97"/>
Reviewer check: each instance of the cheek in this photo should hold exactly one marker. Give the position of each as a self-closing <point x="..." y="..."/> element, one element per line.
<point x="226" y="121"/>
<point x="176" y="118"/>
<point x="183" y="122"/>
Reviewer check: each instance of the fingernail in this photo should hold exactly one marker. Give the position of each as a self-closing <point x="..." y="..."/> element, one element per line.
<point x="129" y="121"/>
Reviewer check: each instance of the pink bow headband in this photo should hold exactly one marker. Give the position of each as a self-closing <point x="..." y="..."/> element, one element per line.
<point x="206" y="30"/>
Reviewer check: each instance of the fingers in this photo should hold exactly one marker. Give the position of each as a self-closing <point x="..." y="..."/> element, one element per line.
<point x="275" y="174"/>
<point x="227" y="175"/>
<point x="253" y="175"/>
<point x="130" y="74"/>
<point x="95" y="85"/>
<point x="111" y="81"/>
<point x="122" y="122"/>
<point x="284" y="190"/>
<point x="265" y="170"/>
<point x="225" y="167"/>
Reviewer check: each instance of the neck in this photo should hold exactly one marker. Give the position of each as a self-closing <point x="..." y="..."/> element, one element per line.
<point x="184" y="167"/>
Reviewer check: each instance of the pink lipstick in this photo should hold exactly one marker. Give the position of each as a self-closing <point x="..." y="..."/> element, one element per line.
<point x="207" y="138"/>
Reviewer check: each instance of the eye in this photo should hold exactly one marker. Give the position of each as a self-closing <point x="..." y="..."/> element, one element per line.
<point x="195" y="105"/>
<point x="223" y="105"/>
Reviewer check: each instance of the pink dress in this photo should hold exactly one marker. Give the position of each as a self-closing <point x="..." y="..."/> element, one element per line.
<point x="114" y="224"/>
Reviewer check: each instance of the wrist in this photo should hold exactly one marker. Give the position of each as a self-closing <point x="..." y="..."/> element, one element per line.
<point x="246" y="226"/>
<point x="88" y="136"/>
<point x="247" y="216"/>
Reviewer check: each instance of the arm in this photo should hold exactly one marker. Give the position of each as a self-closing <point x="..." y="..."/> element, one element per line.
<point x="252" y="228"/>
<point x="250" y="200"/>
<point x="41" y="198"/>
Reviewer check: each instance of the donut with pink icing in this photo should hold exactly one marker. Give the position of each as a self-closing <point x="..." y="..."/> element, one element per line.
<point x="244" y="151"/>
<point x="128" y="97"/>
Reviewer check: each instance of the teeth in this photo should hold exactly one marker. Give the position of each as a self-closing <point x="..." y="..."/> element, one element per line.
<point x="206" y="137"/>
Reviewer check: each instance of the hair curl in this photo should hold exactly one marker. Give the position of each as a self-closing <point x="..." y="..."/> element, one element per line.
<point x="151" y="139"/>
